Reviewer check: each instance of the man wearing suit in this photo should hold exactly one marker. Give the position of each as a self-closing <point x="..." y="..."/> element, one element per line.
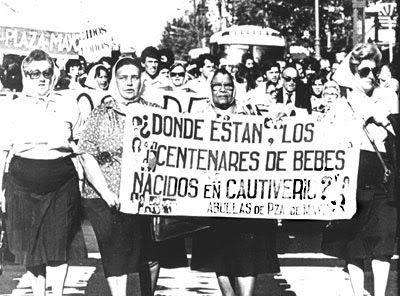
<point x="293" y="94"/>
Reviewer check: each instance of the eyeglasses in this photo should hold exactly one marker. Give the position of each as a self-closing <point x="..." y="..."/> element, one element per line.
<point x="364" y="72"/>
<point x="177" y="74"/>
<point x="272" y="92"/>
<point x="218" y="86"/>
<point x="289" y="78"/>
<point x="47" y="74"/>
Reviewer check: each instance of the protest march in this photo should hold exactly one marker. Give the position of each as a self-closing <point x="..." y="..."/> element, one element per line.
<point x="199" y="152"/>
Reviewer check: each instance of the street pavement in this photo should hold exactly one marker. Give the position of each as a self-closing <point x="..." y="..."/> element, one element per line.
<point x="304" y="272"/>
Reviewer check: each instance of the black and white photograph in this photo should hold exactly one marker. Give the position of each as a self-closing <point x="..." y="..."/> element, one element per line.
<point x="199" y="147"/>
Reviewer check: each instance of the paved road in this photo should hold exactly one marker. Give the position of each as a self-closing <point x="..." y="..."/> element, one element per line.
<point x="305" y="273"/>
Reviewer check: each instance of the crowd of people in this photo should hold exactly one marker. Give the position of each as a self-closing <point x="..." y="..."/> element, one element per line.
<point x="63" y="137"/>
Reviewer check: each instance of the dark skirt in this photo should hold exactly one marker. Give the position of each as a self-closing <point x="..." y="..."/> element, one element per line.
<point x="42" y="209"/>
<point x="236" y="247"/>
<point x="118" y="235"/>
<point x="371" y="232"/>
<point x="170" y="253"/>
<point x="125" y="242"/>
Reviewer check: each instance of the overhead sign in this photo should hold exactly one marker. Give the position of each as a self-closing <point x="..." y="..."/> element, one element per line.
<point x="238" y="166"/>
<point x="21" y="41"/>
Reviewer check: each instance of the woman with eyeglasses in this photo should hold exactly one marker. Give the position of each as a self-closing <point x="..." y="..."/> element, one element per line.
<point x="236" y="250"/>
<point x="330" y="93"/>
<point x="178" y="76"/>
<point x="42" y="197"/>
<point x="370" y="234"/>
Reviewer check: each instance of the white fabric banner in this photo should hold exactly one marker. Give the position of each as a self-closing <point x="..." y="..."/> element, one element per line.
<point x="300" y="167"/>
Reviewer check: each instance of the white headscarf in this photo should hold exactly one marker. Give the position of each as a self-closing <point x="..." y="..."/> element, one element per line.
<point x="113" y="87"/>
<point x="91" y="81"/>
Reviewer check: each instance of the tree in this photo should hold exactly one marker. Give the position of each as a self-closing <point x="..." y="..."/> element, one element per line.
<point x="295" y="20"/>
<point x="186" y="33"/>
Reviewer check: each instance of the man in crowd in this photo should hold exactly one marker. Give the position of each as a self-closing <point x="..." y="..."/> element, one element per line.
<point x="272" y="73"/>
<point x="293" y="94"/>
<point x="150" y="58"/>
<point x="206" y="65"/>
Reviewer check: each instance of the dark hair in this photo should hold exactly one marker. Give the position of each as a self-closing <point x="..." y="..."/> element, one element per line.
<point x="150" y="52"/>
<point x="314" y="77"/>
<point x="240" y="75"/>
<point x="162" y="66"/>
<point x="99" y="69"/>
<point x="169" y="54"/>
<point x="268" y="84"/>
<point x="222" y="71"/>
<point x="83" y="62"/>
<point x="128" y="61"/>
<point x="107" y="60"/>
<point x="310" y="62"/>
<point x="251" y="76"/>
<point x="247" y="56"/>
<point x="311" y="80"/>
<point x="72" y="63"/>
<point x="269" y="65"/>
<point x="364" y="51"/>
<point x="203" y="57"/>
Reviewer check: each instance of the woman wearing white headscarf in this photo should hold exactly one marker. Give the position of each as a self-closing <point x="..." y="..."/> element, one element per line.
<point x="41" y="192"/>
<point x="371" y="233"/>
<point x="123" y="238"/>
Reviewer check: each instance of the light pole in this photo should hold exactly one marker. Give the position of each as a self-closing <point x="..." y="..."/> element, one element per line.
<point x="317" y="38"/>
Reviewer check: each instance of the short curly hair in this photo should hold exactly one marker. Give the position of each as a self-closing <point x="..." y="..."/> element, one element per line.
<point x="364" y="51"/>
<point x="36" y="55"/>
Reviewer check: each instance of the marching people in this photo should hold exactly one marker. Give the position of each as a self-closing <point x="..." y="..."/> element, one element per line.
<point x="42" y="198"/>
<point x="97" y="78"/>
<point x="370" y="234"/>
<point x="100" y="148"/>
<point x="236" y="249"/>
<point x="124" y="239"/>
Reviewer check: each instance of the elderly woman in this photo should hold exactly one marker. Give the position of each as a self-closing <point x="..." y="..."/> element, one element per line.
<point x="371" y="233"/>
<point x="42" y="194"/>
<point x="123" y="239"/>
<point x="235" y="249"/>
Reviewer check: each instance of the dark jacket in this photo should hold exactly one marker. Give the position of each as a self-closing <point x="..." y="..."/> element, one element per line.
<point x="302" y="97"/>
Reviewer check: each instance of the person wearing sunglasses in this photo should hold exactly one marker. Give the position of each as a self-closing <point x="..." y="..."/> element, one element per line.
<point x="293" y="94"/>
<point x="177" y="75"/>
<point x="42" y="194"/>
<point x="237" y="250"/>
<point x="370" y="235"/>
